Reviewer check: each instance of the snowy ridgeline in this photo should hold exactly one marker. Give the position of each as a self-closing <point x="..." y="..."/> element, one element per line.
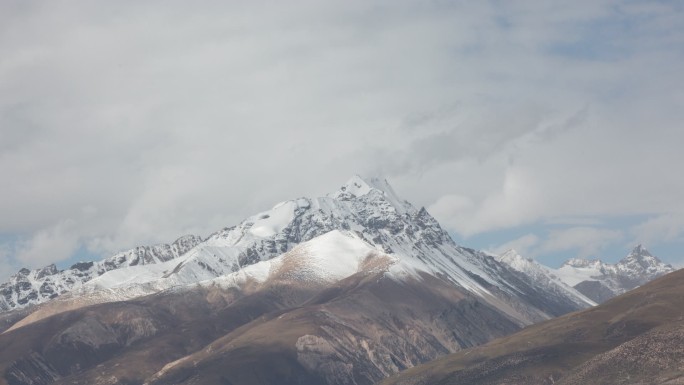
<point x="363" y="225"/>
<point x="369" y="209"/>
<point x="594" y="279"/>
<point x="30" y="287"/>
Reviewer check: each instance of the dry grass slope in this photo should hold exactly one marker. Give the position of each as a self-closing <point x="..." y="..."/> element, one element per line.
<point x="634" y="339"/>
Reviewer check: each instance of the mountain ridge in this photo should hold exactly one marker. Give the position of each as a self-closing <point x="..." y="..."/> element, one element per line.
<point x="32" y="287"/>
<point x="271" y="233"/>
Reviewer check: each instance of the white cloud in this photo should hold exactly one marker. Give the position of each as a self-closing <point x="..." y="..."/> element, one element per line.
<point x="578" y="241"/>
<point x="666" y="227"/>
<point x="166" y="118"/>
<point x="517" y="202"/>
<point x="450" y="206"/>
<point x="589" y="241"/>
<point x="523" y="245"/>
<point x="49" y="245"/>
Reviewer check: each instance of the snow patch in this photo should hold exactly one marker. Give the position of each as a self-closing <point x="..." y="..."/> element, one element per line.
<point x="271" y="222"/>
<point x="572" y="275"/>
<point x="327" y="258"/>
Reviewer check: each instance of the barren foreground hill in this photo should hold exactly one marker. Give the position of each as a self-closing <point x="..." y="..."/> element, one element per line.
<point x="636" y="338"/>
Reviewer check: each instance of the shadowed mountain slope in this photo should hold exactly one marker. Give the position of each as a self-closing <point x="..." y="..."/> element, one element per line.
<point x="635" y="338"/>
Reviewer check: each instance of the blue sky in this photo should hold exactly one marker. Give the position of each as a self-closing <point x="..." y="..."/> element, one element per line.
<point x="554" y="127"/>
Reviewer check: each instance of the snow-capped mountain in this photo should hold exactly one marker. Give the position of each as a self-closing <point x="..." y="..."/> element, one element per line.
<point x="601" y="281"/>
<point x="260" y="237"/>
<point x="342" y="289"/>
<point x="542" y="277"/>
<point x="373" y="212"/>
<point x="31" y="287"/>
<point x="369" y="209"/>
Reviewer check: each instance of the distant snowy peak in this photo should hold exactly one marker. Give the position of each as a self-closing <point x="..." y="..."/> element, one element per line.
<point x="639" y="251"/>
<point x="638" y="262"/>
<point x="527" y="266"/>
<point x="542" y="277"/>
<point x="641" y="262"/>
<point x="601" y="281"/>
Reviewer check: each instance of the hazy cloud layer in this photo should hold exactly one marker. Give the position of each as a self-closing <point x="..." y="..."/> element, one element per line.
<point x="126" y="123"/>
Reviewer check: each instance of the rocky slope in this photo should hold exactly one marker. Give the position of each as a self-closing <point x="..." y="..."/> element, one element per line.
<point x="381" y="319"/>
<point x="635" y="338"/>
<point x="601" y="281"/>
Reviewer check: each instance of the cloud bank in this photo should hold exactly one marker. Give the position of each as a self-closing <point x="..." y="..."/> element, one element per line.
<point x="127" y="123"/>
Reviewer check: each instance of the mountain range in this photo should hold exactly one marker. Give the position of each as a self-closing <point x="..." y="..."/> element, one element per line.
<point x="348" y="288"/>
<point x="601" y="281"/>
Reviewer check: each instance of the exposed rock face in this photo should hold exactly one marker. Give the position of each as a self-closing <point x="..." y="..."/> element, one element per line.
<point x="601" y="281"/>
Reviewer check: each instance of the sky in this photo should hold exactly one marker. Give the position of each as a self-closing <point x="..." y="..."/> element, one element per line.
<point x="554" y="128"/>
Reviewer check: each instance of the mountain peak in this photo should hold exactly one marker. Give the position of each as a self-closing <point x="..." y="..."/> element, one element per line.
<point x="510" y="254"/>
<point x="640" y="251"/>
<point x="358" y="186"/>
<point x="515" y="260"/>
<point x="640" y="259"/>
<point x="641" y="255"/>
